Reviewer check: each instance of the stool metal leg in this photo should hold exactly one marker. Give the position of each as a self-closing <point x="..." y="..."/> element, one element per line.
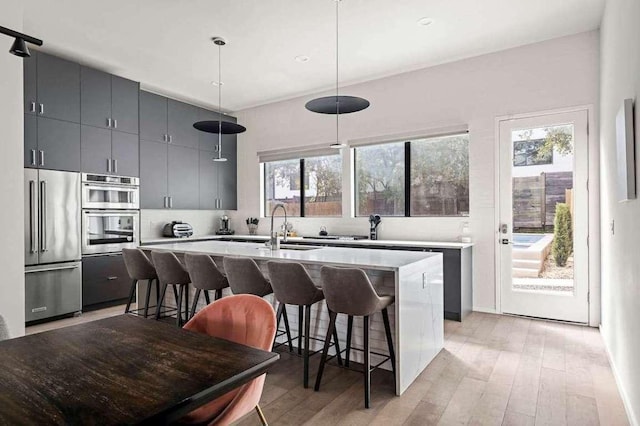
<point x="132" y="291"/>
<point x="206" y="297"/>
<point x="367" y="363"/>
<point x="286" y="326"/>
<point x="300" y="318"/>
<point x="159" y="306"/>
<point x="325" y="350"/>
<point x="196" y="297"/>
<point x="218" y="294"/>
<point x="349" y="331"/>
<point x="146" y="301"/>
<point x="337" y="343"/>
<point x="307" y="326"/>
<point x="179" y="304"/>
<point x="392" y="353"/>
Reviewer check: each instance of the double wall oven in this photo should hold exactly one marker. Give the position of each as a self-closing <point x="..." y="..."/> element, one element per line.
<point x="110" y="213"/>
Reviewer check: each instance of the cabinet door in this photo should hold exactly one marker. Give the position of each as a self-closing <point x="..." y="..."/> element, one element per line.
<point x="227" y="177"/>
<point x="125" y="152"/>
<point x="153" y="174"/>
<point x="30" y="141"/>
<point x="60" y="143"/>
<point x="208" y="181"/>
<point x="124" y="104"/>
<point x="183" y="177"/>
<point x="181" y="117"/>
<point x="95" y="150"/>
<point x="30" y="69"/>
<point x="104" y="279"/>
<point x="153" y="117"/>
<point x="58" y="88"/>
<point x="95" y="95"/>
<point x="209" y="141"/>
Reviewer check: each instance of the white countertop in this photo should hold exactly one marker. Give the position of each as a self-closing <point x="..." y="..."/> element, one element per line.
<point x="372" y="259"/>
<point x="373" y="243"/>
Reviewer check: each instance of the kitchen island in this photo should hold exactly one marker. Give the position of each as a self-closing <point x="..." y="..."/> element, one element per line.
<point x="415" y="278"/>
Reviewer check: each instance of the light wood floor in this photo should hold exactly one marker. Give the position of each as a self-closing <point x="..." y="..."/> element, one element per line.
<point x="494" y="370"/>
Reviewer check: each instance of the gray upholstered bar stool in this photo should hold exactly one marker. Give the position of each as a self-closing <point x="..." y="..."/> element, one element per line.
<point x="292" y="285"/>
<point x="140" y="268"/>
<point x="349" y="291"/>
<point x="245" y="277"/>
<point x="172" y="273"/>
<point x="205" y="276"/>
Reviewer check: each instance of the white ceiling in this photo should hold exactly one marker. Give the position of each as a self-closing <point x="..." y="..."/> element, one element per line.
<point x="165" y="44"/>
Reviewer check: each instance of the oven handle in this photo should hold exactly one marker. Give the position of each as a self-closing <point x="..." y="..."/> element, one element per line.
<point x="111" y="187"/>
<point x="110" y="212"/>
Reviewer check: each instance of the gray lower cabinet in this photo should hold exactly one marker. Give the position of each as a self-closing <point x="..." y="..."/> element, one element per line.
<point x="183" y="177"/>
<point x="57" y="89"/>
<point x="57" y="144"/>
<point x="153" y="117"/>
<point x="153" y="175"/>
<point x="180" y="120"/>
<point x="105" y="281"/>
<point x="105" y="151"/>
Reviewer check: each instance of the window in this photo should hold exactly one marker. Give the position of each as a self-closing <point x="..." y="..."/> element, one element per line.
<point x="316" y="180"/>
<point x="421" y="177"/>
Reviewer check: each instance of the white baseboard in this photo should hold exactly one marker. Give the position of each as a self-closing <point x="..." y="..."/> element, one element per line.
<point x="484" y="310"/>
<point x="623" y="394"/>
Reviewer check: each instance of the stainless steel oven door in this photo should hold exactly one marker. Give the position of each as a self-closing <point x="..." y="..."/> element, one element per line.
<point x="99" y="196"/>
<point x="107" y="231"/>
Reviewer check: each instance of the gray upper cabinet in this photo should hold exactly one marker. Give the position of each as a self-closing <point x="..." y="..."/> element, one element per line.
<point x="30" y="69"/>
<point x="209" y="141"/>
<point x="125" y="104"/>
<point x="108" y="101"/>
<point x="180" y="119"/>
<point x="95" y="150"/>
<point x="153" y="175"/>
<point x="58" y="88"/>
<point x="30" y="141"/>
<point x="153" y="117"/>
<point x="183" y="177"/>
<point x="227" y="178"/>
<point x="208" y="181"/>
<point x="58" y="145"/>
<point x="125" y="154"/>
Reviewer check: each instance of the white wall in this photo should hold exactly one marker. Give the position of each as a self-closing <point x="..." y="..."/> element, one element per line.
<point x="11" y="183"/>
<point x="548" y="75"/>
<point x="620" y="79"/>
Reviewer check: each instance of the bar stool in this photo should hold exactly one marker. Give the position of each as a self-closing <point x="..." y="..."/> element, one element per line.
<point x="292" y="285"/>
<point x="139" y="267"/>
<point x="245" y="277"/>
<point x="172" y="273"/>
<point x="205" y="276"/>
<point x="349" y="291"/>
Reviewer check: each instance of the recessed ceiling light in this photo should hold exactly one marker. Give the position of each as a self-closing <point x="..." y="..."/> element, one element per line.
<point x="217" y="83"/>
<point x="425" y="22"/>
<point x="302" y="58"/>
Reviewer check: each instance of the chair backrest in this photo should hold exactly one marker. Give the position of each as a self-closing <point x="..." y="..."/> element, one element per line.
<point x="4" y="329"/>
<point x="291" y="283"/>
<point x="169" y="268"/>
<point x="138" y="264"/>
<point x="204" y="272"/>
<point x="245" y="276"/>
<point x="348" y="291"/>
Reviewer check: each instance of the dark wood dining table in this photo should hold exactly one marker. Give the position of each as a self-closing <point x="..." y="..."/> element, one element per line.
<point x="119" y="370"/>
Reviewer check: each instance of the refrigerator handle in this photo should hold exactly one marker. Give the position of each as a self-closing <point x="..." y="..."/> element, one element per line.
<point x="32" y="215"/>
<point x="43" y="216"/>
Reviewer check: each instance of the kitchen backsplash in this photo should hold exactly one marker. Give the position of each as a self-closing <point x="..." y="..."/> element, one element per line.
<point x="204" y="222"/>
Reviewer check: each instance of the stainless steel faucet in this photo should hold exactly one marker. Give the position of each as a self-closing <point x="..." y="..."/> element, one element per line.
<point x="274" y="242"/>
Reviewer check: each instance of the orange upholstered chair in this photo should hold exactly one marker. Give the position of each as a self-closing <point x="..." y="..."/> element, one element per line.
<point x="245" y="319"/>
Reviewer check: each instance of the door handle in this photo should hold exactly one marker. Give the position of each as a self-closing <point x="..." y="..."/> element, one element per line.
<point x="32" y="215"/>
<point x="41" y="158"/>
<point x="33" y="107"/>
<point x="33" y="157"/>
<point x="505" y="241"/>
<point x="41" y="112"/>
<point x="43" y="215"/>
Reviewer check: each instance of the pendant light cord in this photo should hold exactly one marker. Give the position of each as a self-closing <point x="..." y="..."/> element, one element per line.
<point x="337" y="74"/>
<point x="219" y="101"/>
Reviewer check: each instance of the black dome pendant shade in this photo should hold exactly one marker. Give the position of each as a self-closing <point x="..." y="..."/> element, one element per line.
<point x="214" y="126"/>
<point x="337" y="104"/>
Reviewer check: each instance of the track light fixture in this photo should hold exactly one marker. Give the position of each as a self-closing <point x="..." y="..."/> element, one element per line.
<point x="19" y="46"/>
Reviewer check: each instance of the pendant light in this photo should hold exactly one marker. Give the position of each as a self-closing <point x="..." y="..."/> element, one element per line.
<point x="338" y="104"/>
<point x="19" y="46"/>
<point x="219" y="126"/>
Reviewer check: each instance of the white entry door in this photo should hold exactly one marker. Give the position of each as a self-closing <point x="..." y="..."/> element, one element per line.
<point x="543" y="216"/>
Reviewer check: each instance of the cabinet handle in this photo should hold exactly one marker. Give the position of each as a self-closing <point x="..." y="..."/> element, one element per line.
<point x="41" y="158"/>
<point x="108" y="165"/>
<point x="41" y="109"/>
<point x="33" y="157"/>
<point x="115" y="123"/>
<point x="170" y="202"/>
<point x="164" y="202"/>
<point x="164" y="138"/>
<point x="170" y="138"/>
<point x="112" y="278"/>
<point x="33" y="107"/>
<point x="108" y="122"/>
<point x="115" y="166"/>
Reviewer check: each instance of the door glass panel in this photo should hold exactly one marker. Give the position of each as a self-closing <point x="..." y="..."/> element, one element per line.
<point x="542" y="187"/>
<point x="100" y="195"/>
<point x="107" y="229"/>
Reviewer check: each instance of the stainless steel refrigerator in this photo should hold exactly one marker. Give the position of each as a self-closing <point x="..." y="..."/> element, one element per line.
<point x="53" y="271"/>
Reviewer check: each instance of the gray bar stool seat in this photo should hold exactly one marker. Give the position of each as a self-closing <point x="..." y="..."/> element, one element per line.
<point x="172" y="273"/>
<point x="245" y="277"/>
<point x="349" y="291"/>
<point x="205" y="277"/>
<point x="140" y="268"/>
<point x="292" y="285"/>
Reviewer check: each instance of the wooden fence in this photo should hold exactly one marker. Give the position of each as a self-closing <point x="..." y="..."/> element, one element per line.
<point x="535" y="198"/>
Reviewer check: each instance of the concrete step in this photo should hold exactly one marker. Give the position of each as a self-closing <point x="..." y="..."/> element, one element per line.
<point x="525" y="273"/>
<point x="527" y="264"/>
<point x="527" y="254"/>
